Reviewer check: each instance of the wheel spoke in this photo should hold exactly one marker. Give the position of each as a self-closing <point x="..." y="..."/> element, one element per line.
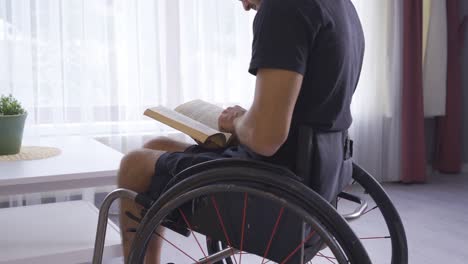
<point x="326" y="257"/>
<point x="183" y="252"/>
<point x="244" y="213"/>
<point x="191" y="230"/>
<point x="373" y="208"/>
<point x="298" y="247"/>
<point x="275" y="228"/>
<point x="213" y="200"/>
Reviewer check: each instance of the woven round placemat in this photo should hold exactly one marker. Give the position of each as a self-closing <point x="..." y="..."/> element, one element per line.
<point x="32" y="153"/>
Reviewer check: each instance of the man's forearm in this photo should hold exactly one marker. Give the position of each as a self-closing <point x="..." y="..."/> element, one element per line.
<point x="253" y="133"/>
<point x="243" y="131"/>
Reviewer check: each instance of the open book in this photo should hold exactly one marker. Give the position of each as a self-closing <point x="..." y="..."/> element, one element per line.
<point x="197" y="119"/>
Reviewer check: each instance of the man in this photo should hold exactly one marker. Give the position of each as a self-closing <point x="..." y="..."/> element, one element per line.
<point x="307" y="56"/>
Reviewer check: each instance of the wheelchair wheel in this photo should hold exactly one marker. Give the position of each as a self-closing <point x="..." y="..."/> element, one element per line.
<point x="260" y="216"/>
<point x="379" y="226"/>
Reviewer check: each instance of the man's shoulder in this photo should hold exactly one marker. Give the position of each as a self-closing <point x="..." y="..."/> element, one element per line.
<point x="307" y="11"/>
<point x="292" y="5"/>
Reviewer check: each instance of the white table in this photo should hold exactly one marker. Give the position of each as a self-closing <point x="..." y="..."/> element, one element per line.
<point x="66" y="236"/>
<point x="59" y="232"/>
<point x="83" y="163"/>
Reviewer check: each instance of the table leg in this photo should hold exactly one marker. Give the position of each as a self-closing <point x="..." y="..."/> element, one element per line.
<point x="62" y="196"/>
<point x="16" y="200"/>
<point x="88" y="195"/>
<point x="34" y="198"/>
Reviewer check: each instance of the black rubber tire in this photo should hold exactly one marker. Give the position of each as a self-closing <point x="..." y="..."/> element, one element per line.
<point x="389" y="212"/>
<point x="293" y="191"/>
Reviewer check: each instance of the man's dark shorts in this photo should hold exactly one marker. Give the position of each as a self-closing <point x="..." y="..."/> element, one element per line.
<point x="171" y="163"/>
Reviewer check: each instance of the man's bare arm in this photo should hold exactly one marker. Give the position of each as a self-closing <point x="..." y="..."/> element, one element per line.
<point x="265" y="127"/>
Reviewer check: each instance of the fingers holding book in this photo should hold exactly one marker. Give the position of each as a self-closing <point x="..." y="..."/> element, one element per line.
<point x="227" y="118"/>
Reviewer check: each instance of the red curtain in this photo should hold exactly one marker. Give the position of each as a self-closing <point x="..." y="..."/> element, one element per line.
<point x="413" y="151"/>
<point x="448" y="155"/>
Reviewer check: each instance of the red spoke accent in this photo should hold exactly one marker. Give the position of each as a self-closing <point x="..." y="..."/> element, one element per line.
<point x="213" y="200"/>
<point x="243" y="228"/>
<point x="298" y="247"/>
<point x="375" y="207"/>
<point x="382" y="237"/>
<point x="328" y="258"/>
<point x="191" y="230"/>
<point x="185" y="253"/>
<point x="275" y="228"/>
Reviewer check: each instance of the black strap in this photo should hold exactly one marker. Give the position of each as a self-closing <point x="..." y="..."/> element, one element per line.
<point x="305" y="152"/>
<point x="348" y="148"/>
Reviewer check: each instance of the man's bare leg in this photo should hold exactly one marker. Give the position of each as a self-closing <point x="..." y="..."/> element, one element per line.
<point x="136" y="171"/>
<point x="166" y="144"/>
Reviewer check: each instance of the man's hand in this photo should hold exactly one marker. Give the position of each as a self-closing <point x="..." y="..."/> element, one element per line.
<point x="226" y="121"/>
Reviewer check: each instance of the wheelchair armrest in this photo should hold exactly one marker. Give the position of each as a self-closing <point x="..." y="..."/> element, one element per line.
<point x="230" y="163"/>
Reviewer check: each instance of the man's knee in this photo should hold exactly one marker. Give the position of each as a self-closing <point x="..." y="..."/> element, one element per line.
<point x="158" y="143"/>
<point x="137" y="169"/>
<point x="165" y="144"/>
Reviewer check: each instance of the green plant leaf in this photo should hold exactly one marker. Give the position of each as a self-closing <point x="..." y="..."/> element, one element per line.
<point x="10" y="106"/>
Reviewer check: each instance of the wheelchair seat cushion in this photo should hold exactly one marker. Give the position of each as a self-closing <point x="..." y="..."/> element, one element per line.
<point x="172" y="163"/>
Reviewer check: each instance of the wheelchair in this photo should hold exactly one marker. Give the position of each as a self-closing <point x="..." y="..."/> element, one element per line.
<point x="257" y="212"/>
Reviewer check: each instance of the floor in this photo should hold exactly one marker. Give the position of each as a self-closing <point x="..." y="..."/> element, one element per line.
<point x="435" y="216"/>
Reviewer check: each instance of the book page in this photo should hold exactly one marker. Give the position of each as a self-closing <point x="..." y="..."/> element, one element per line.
<point x="194" y="129"/>
<point x="202" y="112"/>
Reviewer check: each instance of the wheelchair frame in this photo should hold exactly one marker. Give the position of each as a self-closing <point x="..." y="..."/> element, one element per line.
<point x="399" y="244"/>
<point x="197" y="175"/>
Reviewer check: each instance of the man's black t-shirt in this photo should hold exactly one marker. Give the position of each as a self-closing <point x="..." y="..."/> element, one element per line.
<point x="321" y="39"/>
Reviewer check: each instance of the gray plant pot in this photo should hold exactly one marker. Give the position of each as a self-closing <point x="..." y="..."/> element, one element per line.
<point x="11" y="133"/>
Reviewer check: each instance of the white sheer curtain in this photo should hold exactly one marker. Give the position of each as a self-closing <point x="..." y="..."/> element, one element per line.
<point x="376" y="105"/>
<point x="90" y="67"/>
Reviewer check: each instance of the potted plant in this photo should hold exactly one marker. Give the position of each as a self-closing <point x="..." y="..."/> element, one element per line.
<point x="12" y="119"/>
